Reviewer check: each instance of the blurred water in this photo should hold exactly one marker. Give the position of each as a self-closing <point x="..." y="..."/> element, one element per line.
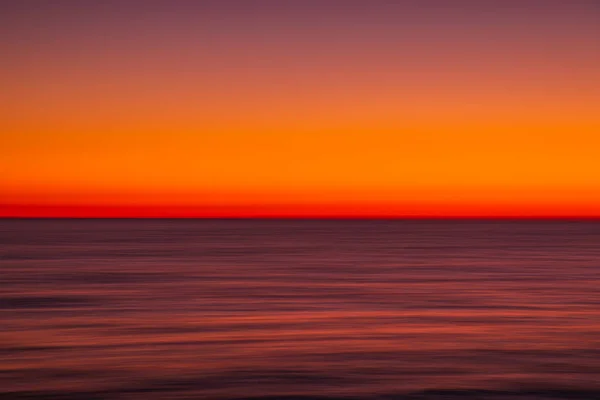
<point x="224" y="309"/>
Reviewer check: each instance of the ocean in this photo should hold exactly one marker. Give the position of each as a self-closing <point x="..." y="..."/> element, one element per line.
<point x="302" y="309"/>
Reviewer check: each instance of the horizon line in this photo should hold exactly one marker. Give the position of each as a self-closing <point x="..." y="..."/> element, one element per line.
<point x="324" y="217"/>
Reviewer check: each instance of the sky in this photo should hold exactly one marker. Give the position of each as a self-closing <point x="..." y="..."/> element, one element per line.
<point x="245" y="108"/>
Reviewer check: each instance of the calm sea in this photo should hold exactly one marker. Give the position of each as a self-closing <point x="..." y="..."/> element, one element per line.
<point x="232" y="309"/>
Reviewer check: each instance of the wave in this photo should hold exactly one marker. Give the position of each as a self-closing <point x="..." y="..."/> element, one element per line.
<point x="437" y="394"/>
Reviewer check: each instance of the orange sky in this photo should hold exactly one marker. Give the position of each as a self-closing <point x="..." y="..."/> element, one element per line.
<point x="181" y="109"/>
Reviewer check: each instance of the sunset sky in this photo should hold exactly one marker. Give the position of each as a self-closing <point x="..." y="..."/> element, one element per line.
<point x="300" y="108"/>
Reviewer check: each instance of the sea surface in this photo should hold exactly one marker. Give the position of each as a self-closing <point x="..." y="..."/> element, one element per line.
<point x="238" y="309"/>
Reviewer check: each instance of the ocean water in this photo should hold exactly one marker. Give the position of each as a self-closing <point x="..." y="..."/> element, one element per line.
<point x="237" y="309"/>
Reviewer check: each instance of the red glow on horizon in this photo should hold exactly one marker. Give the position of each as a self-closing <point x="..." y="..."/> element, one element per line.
<point x="289" y="211"/>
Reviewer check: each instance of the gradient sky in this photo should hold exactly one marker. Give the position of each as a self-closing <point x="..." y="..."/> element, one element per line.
<point x="250" y="107"/>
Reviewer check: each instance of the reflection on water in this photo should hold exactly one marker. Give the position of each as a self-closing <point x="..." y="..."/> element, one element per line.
<point x="203" y="309"/>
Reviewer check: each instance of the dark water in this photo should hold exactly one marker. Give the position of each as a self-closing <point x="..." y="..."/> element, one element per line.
<point x="193" y="309"/>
